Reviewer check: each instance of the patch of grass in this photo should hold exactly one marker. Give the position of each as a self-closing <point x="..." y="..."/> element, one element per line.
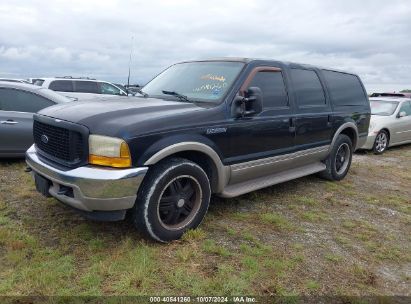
<point x="277" y="220"/>
<point x="185" y="253"/>
<point x="363" y="275"/>
<point x="194" y="234"/>
<point x="210" y="246"/>
<point x="241" y="215"/>
<point x="308" y="201"/>
<point x="249" y="237"/>
<point x="231" y="231"/>
<point x="332" y="257"/>
<point x="314" y="216"/>
<point x="312" y="285"/>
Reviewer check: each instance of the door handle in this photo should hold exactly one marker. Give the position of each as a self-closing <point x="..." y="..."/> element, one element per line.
<point x="292" y="125"/>
<point x="8" y="122"/>
<point x="329" y="121"/>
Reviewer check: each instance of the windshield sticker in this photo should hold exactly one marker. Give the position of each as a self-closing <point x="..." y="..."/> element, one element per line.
<point x="213" y="77"/>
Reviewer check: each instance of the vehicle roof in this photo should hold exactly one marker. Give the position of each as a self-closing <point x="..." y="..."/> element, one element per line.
<point x="250" y="60"/>
<point x="20" y="85"/>
<point x="35" y="89"/>
<point x="70" y="79"/>
<point x="399" y="99"/>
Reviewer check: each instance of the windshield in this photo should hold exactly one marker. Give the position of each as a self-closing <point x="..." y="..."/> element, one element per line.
<point x="198" y="81"/>
<point x="383" y="107"/>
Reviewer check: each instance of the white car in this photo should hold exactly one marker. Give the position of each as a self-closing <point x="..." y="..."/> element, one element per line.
<point x="80" y="88"/>
<point x="390" y="123"/>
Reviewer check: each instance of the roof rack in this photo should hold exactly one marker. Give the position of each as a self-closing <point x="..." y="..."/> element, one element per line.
<point x="71" y="77"/>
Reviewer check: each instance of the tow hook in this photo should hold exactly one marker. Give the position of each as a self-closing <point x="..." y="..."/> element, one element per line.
<point x="28" y="170"/>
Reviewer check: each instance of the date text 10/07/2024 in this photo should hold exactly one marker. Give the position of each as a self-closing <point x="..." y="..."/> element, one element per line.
<point x="203" y="299"/>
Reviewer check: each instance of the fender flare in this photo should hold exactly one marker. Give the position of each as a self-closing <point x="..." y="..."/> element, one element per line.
<point x="223" y="172"/>
<point x="344" y="126"/>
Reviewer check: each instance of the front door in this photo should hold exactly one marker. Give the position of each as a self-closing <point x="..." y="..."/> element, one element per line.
<point x="401" y="128"/>
<point x="257" y="141"/>
<point x="16" y="119"/>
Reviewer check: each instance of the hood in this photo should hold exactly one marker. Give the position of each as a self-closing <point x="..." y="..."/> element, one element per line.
<point x="110" y="116"/>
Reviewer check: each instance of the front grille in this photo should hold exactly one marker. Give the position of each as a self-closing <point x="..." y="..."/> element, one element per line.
<point x="59" y="144"/>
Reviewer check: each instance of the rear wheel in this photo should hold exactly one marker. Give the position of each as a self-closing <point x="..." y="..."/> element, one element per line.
<point x="381" y="142"/>
<point x="339" y="161"/>
<point x="174" y="197"/>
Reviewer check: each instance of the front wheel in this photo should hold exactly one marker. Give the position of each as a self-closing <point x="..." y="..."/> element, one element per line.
<point x="381" y="142"/>
<point x="339" y="161"/>
<point x="174" y="197"/>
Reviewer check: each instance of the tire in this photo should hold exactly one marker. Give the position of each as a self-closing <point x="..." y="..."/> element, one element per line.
<point x="339" y="161"/>
<point x="173" y="198"/>
<point x="381" y="142"/>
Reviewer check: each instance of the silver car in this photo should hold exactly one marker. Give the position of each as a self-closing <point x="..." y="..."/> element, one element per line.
<point x="390" y="123"/>
<point x="18" y="102"/>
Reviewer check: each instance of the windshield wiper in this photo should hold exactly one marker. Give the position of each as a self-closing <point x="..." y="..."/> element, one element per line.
<point x="178" y="95"/>
<point x="145" y="95"/>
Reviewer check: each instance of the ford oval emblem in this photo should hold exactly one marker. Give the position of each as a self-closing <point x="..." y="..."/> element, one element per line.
<point x="44" y="139"/>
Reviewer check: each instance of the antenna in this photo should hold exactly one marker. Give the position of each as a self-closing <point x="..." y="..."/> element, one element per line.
<point x="129" y="62"/>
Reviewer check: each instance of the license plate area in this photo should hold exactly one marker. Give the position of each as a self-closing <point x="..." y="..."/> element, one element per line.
<point x="42" y="185"/>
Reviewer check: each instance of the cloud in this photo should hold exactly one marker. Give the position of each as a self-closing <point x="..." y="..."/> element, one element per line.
<point x="93" y="38"/>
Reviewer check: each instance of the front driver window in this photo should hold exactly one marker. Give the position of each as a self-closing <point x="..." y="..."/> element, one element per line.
<point x="406" y="107"/>
<point x="106" y="88"/>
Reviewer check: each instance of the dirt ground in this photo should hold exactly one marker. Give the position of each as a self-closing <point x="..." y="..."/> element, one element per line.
<point x="304" y="237"/>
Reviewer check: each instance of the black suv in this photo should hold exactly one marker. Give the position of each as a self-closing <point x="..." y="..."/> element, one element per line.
<point x="223" y="126"/>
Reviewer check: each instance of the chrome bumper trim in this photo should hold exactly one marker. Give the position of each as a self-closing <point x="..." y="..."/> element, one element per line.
<point x="94" y="188"/>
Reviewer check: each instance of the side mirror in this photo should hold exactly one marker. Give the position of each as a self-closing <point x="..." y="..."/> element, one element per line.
<point x="249" y="105"/>
<point x="402" y="114"/>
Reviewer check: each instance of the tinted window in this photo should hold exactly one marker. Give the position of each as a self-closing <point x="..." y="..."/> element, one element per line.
<point x="106" y="88"/>
<point x="307" y="87"/>
<point x="61" y="85"/>
<point x="272" y="87"/>
<point x="345" y="89"/>
<point x="406" y="107"/>
<point x="86" y="87"/>
<point x="21" y="101"/>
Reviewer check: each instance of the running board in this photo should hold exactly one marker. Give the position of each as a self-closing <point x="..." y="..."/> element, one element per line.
<point x="269" y="180"/>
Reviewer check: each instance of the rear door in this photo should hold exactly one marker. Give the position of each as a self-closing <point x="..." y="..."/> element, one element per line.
<point x="313" y="111"/>
<point x="16" y="119"/>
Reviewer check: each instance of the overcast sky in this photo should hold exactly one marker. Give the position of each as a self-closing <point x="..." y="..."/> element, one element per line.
<point x="93" y="38"/>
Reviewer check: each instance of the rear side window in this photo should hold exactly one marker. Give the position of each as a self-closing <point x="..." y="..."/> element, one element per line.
<point x="61" y="85"/>
<point x="86" y="87"/>
<point x="345" y="89"/>
<point x="308" y="88"/>
<point x="273" y="88"/>
<point x="22" y="101"/>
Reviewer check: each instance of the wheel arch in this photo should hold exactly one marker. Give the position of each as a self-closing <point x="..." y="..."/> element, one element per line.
<point x="201" y="154"/>
<point x="349" y="129"/>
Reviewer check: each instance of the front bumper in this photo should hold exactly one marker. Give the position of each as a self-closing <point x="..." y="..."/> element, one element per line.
<point x="93" y="188"/>
<point x="369" y="143"/>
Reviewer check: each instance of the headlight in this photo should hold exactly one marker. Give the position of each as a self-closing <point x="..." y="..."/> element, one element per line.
<point x="108" y="151"/>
